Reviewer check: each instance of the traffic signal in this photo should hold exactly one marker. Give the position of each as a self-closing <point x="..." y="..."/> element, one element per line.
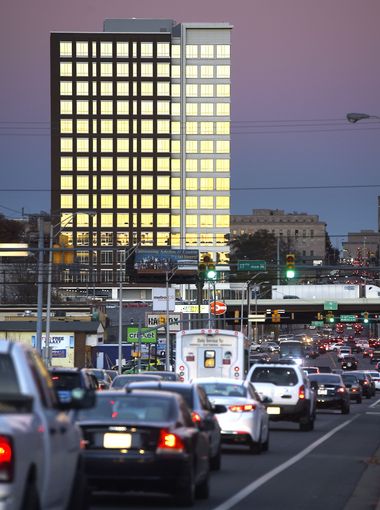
<point x="366" y="317"/>
<point x="67" y="255"/>
<point x="206" y="269"/>
<point x="330" y="318"/>
<point x="290" y="266"/>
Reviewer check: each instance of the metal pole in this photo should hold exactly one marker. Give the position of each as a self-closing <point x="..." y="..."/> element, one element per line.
<point x="256" y="331"/>
<point x="48" y="300"/>
<point x="209" y="302"/>
<point x="120" y="356"/>
<point x="278" y="260"/>
<point x="40" y="284"/>
<point x="139" y="347"/>
<point x="242" y="309"/>
<point x="248" y="309"/>
<point x="167" y="350"/>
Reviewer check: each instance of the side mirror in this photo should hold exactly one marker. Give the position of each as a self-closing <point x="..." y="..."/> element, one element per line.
<point x="219" y="408"/>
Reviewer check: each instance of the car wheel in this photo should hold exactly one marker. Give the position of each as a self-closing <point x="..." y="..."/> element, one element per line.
<point x="359" y="400"/>
<point x="80" y="495"/>
<point x="185" y="496"/>
<point x="368" y="395"/>
<point x="306" y="423"/>
<point x="215" y="462"/>
<point x="202" y="490"/>
<point x="345" y="409"/>
<point x="265" y="446"/>
<point x="256" y="447"/>
<point x="30" y="501"/>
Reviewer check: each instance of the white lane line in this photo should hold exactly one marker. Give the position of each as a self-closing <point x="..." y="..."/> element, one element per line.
<point x="243" y="493"/>
<point x="373" y="413"/>
<point x="375" y="403"/>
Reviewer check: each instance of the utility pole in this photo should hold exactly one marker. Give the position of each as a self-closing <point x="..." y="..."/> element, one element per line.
<point x="40" y="283"/>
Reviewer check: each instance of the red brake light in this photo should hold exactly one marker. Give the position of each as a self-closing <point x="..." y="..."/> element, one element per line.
<point x="169" y="443"/>
<point x="6" y="459"/>
<point x="195" y="417"/>
<point x="242" y="408"/>
<point x="301" y="392"/>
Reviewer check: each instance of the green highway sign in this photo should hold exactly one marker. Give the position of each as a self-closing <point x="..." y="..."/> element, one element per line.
<point x="348" y="318"/>
<point x="317" y="324"/>
<point x="330" y="305"/>
<point x="252" y="265"/>
<point x="148" y="336"/>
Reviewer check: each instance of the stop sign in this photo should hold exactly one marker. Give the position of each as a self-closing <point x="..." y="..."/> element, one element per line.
<point x="218" y="308"/>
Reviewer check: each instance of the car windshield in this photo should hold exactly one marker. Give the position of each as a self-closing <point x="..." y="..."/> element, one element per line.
<point x="350" y="379"/>
<point x="325" y="378"/>
<point x="279" y="376"/>
<point x="66" y="381"/>
<point x="126" y="408"/>
<point x="99" y="374"/>
<point x="224" y="390"/>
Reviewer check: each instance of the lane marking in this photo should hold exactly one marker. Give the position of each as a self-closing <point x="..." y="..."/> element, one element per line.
<point x="373" y="413"/>
<point x="246" y="491"/>
<point x="375" y="403"/>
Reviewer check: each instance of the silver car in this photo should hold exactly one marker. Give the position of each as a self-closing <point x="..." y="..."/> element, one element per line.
<point x="246" y="419"/>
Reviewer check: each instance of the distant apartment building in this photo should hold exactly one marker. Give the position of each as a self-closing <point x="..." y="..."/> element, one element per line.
<point x="301" y="233"/>
<point x="140" y="141"/>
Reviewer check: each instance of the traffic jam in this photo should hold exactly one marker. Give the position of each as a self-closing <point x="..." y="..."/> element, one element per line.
<point x="169" y="433"/>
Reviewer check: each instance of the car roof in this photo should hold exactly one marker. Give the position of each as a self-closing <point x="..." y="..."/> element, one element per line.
<point x="163" y="384"/>
<point x="67" y="370"/>
<point x="222" y="380"/>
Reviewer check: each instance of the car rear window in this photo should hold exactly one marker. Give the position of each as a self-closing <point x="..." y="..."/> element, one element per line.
<point x="350" y="379"/>
<point x="224" y="390"/>
<point x="279" y="376"/>
<point x="66" y="381"/>
<point x="186" y="393"/>
<point x="8" y="378"/>
<point x="129" y="408"/>
<point x="325" y="378"/>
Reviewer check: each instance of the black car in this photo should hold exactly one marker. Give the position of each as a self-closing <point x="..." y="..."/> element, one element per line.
<point x="122" y="380"/>
<point x="104" y="379"/>
<point x="67" y="379"/>
<point x="202" y="412"/>
<point x="331" y="392"/>
<point x="144" y="441"/>
<point x="349" y="363"/>
<point x="353" y="385"/>
<point x="368" y="386"/>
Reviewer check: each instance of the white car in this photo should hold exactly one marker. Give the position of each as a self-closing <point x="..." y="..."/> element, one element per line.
<point x="288" y="387"/>
<point x="246" y="420"/>
<point x="375" y="375"/>
<point x="344" y="351"/>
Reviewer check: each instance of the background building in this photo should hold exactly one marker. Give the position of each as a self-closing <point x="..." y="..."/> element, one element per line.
<point x="140" y="139"/>
<point x="362" y="247"/>
<point x="301" y="233"/>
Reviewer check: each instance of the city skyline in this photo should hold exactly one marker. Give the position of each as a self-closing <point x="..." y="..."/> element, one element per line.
<point x="297" y="69"/>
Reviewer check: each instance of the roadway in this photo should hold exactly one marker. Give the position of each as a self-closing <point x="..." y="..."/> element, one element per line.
<point x="334" y="467"/>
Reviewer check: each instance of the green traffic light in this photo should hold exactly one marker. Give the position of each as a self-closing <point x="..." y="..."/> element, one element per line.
<point x="331" y="319"/>
<point x="290" y="273"/>
<point x="211" y="274"/>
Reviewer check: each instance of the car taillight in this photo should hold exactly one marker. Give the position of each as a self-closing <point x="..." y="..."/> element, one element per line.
<point x="169" y="443"/>
<point x="6" y="459"/>
<point x="195" y="417"/>
<point x="365" y="382"/>
<point x="341" y="390"/>
<point x="301" y="392"/>
<point x="242" y="408"/>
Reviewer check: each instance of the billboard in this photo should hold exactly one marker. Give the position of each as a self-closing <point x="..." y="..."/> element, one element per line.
<point x="159" y="261"/>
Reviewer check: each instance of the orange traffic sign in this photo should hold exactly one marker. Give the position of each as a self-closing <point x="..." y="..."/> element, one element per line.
<point x="218" y="308"/>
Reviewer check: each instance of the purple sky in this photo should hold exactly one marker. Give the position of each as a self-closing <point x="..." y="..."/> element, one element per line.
<point x="299" y="63"/>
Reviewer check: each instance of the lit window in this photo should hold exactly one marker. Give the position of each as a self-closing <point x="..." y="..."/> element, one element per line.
<point x="106" y="49"/>
<point x="122" y="107"/>
<point x="146" y="145"/>
<point x="65" y="69"/>
<point x="106" y="126"/>
<point x="176" y="202"/>
<point x="146" y="50"/>
<point x="147" y="201"/>
<point x="122" y="182"/>
<point x="163" y="202"/>
<point x="222" y="71"/>
<point x="207" y="165"/>
<point x="191" y="51"/>
<point x="191" y="239"/>
<point x="66" y="126"/>
<point x="66" y="88"/>
<point x="163" y="183"/>
<point x="122" y="88"/>
<point x="176" y="165"/>
<point x="106" y="145"/>
<point x="82" y="164"/>
<point x="191" y="72"/>
<point x="82" y="49"/>
<point x="146" y="88"/>
<point x="82" y="107"/>
<point x="146" y="182"/>
<point x="222" y="146"/>
<point x="163" y="108"/>
<point x="163" y="70"/>
<point x="122" y="145"/>
<point x="223" y="51"/>
<point x="191" y="109"/>
<point x="223" y="90"/>
<point x="176" y="146"/>
<point x="106" y="88"/>
<point x="163" y="88"/>
<point x="146" y="220"/>
<point x="176" y="128"/>
<point x="146" y="107"/>
<point x="66" y="182"/>
<point x="106" y="107"/>
<point x="222" y="220"/>
<point x="163" y="126"/>
<point x="82" y="68"/>
<point x="207" y="108"/>
<point x="82" y="126"/>
<point x="207" y="51"/>
<point x="191" y="184"/>
<point x="222" y="202"/>
<point x="207" y="90"/>
<point x="163" y="145"/>
<point x="66" y="163"/>
<point x="106" y="164"/>
<point x="163" y="164"/>
<point x="191" y="146"/>
<point x="191" y="128"/>
<point x="222" y="165"/>
<point x="206" y="203"/>
<point x="206" y="221"/>
<point x="176" y="71"/>
<point x="176" y="51"/>
<point x="82" y="201"/>
<point x="163" y="220"/>
<point x="65" y="49"/>
<point x="207" y="72"/>
<point x="176" y="90"/>
<point x="66" y="145"/>
<point x="82" y="145"/>
<point x="122" y="126"/>
<point x="163" y="50"/>
<point x="122" y="201"/>
<point x="191" y="165"/>
<point x="207" y="128"/>
<point x="146" y="126"/>
<point x="191" y="202"/>
<point x="146" y="70"/>
<point x="206" y="239"/>
<point x="122" y="49"/>
<point x="146" y="164"/>
<point x="191" y="220"/>
<point x="106" y="201"/>
<point x="222" y="184"/>
<point x="66" y="201"/>
<point x="123" y="165"/>
<point x="176" y="109"/>
<point x="106" y="69"/>
<point x="82" y="181"/>
<point x="176" y="222"/>
<point x="122" y="69"/>
<point x="106" y="220"/>
<point x="206" y="183"/>
<point x="207" y="146"/>
<point x="223" y="109"/>
<point x="222" y="128"/>
<point x="122" y="220"/>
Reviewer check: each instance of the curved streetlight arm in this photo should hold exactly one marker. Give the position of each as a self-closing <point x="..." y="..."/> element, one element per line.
<point x="355" y="117"/>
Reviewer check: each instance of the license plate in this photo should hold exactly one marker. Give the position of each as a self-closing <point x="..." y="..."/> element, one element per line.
<point x="322" y="392"/>
<point x="114" y="440"/>
<point x="273" y="410"/>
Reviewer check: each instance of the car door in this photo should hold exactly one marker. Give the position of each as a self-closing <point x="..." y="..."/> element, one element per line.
<point x="211" y="423"/>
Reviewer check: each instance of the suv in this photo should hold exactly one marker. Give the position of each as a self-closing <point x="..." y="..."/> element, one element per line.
<point x="66" y="379"/>
<point x="288" y="388"/>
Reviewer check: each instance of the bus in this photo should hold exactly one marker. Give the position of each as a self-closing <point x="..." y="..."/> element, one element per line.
<point x="294" y="349"/>
<point x="211" y="353"/>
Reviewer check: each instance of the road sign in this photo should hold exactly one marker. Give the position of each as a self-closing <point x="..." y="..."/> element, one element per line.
<point x="218" y="308"/>
<point x="348" y="318"/>
<point x="192" y="308"/>
<point x="251" y="265"/>
<point x="330" y="305"/>
<point x="144" y="334"/>
<point x="259" y="317"/>
<point x="317" y="324"/>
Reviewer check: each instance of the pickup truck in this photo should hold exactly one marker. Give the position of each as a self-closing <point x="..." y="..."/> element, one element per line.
<point x="40" y="446"/>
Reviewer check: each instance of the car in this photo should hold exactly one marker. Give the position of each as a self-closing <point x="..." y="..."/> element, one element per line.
<point x="246" y="420"/>
<point x="376" y="355"/>
<point x="311" y="370"/>
<point x="342" y="352"/>
<point x="65" y="379"/>
<point x="292" y="398"/>
<point x="259" y="358"/>
<point x="202" y="411"/>
<point x="122" y="380"/>
<point x="349" y="363"/>
<point x="112" y="373"/>
<point x="324" y="369"/>
<point x="375" y="376"/>
<point x="331" y="392"/>
<point x="166" y="375"/>
<point x="368" y="352"/>
<point x="368" y="386"/>
<point x="353" y="385"/>
<point x="144" y="441"/>
<point x="104" y="379"/>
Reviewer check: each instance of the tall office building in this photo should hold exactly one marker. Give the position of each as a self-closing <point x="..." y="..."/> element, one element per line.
<point x="140" y="141"/>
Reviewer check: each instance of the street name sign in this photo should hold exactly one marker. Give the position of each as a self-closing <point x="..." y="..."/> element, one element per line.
<point x="348" y="318"/>
<point x="317" y="324"/>
<point x="330" y="305"/>
<point x="252" y="265"/>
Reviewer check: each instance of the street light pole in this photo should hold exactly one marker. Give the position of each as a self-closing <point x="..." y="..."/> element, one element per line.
<point x="248" y="284"/>
<point x="40" y="284"/>
<point x="167" y="348"/>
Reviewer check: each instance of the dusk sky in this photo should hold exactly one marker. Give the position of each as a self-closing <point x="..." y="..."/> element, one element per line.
<point x="298" y="66"/>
